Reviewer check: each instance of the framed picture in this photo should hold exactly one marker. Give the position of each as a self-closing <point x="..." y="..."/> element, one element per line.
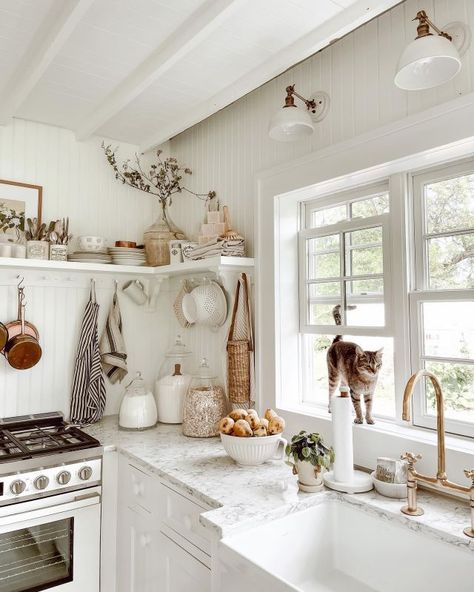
<point x="18" y="201"/>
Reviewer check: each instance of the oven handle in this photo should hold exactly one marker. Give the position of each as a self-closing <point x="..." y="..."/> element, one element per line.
<point x="79" y="502"/>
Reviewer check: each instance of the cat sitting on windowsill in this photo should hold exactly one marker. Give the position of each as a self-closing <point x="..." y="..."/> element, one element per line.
<point x="350" y="365"/>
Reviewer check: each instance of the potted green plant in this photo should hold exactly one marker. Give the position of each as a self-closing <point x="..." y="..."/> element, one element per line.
<point x="311" y="457"/>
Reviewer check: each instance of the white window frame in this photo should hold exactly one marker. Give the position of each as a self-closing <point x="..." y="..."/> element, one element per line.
<point x="422" y="293"/>
<point x="388" y="222"/>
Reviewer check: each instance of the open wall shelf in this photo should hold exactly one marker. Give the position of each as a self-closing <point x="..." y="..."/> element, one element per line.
<point x="214" y="264"/>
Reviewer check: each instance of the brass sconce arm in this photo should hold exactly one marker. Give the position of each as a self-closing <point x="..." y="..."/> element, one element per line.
<point x="424" y="25"/>
<point x="290" y="101"/>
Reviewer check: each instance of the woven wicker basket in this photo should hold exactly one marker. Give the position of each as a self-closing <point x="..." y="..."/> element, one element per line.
<point x="240" y="351"/>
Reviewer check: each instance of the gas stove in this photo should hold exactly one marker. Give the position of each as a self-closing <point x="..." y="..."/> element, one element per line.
<point x="50" y="505"/>
<point x="42" y="454"/>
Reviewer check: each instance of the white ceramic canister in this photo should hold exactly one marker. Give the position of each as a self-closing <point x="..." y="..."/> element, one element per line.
<point x="170" y="392"/>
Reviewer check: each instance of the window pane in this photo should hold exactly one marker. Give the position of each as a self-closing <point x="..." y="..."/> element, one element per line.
<point x="365" y="287"/>
<point x="321" y="313"/>
<point x="374" y="206"/>
<point x="325" y="289"/>
<point x="317" y="347"/>
<point x="449" y="204"/>
<point x="457" y="381"/>
<point x="328" y="216"/>
<point x="324" y="257"/>
<point x="449" y="329"/>
<point x="370" y="314"/>
<point x="364" y="261"/>
<point x="451" y="261"/>
<point x="365" y="236"/>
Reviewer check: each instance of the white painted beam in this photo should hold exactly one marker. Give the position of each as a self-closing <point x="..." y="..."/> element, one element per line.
<point x="47" y="42"/>
<point x="193" y="31"/>
<point x="341" y="24"/>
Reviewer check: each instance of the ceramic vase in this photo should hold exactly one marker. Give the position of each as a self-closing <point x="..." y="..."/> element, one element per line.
<point x="158" y="236"/>
<point x="310" y="478"/>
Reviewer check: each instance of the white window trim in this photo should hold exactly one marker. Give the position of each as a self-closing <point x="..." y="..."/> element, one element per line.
<point x="436" y="135"/>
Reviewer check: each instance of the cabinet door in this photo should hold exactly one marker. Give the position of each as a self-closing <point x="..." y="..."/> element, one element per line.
<point x="139" y="559"/>
<point x="182" y="571"/>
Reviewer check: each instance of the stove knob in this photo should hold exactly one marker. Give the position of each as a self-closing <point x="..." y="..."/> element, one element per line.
<point x="41" y="482"/>
<point x="85" y="473"/>
<point x="63" y="477"/>
<point x="18" y="487"/>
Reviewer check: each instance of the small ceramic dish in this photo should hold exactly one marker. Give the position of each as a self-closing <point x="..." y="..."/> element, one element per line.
<point x="92" y="243"/>
<point x="394" y="490"/>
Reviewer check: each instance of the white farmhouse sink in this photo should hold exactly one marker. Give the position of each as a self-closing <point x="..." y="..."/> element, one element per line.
<point x="335" y="547"/>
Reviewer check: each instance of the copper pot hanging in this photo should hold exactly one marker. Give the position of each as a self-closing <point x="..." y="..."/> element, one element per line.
<point x="22" y="349"/>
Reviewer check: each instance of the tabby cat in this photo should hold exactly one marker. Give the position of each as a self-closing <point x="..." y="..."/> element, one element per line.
<point x="349" y="365"/>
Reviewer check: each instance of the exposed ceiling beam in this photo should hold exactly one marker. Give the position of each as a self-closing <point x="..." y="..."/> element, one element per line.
<point x="344" y="22"/>
<point x="47" y="42"/>
<point x="192" y="32"/>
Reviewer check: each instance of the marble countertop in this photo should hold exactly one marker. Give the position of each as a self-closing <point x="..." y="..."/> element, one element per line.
<point x="241" y="497"/>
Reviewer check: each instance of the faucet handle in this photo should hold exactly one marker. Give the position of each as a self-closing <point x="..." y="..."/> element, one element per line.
<point x="410" y="458"/>
<point x="469" y="474"/>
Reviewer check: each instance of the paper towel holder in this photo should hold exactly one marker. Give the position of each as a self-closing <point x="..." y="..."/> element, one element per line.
<point x="360" y="482"/>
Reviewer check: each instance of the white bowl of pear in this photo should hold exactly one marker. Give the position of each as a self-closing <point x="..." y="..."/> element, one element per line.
<point x="251" y="440"/>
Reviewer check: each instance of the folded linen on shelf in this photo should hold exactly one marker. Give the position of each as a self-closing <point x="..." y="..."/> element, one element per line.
<point x="215" y="247"/>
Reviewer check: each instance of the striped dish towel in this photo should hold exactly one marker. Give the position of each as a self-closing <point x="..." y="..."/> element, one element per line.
<point x="112" y="346"/>
<point x="88" y="385"/>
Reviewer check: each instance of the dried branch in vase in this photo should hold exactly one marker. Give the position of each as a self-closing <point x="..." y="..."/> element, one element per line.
<point x="163" y="179"/>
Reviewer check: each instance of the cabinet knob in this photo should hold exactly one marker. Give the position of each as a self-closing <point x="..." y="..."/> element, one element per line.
<point x="145" y="540"/>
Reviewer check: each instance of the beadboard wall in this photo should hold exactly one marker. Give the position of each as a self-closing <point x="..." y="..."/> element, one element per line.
<point x="226" y="150"/>
<point x="77" y="182"/>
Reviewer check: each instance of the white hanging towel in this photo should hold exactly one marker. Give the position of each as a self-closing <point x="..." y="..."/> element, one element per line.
<point x="88" y="385"/>
<point x="112" y="345"/>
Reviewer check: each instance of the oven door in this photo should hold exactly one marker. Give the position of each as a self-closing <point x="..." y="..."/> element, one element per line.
<point x="53" y="547"/>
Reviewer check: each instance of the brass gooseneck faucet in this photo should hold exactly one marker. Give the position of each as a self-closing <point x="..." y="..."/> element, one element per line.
<point x="441" y="480"/>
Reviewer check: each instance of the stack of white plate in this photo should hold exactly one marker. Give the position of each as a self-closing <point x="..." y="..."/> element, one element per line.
<point x="127" y="256"/>
<point x="90" y="257"/>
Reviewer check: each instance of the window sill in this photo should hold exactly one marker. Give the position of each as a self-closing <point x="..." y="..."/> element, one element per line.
<point x="385" y="438"/>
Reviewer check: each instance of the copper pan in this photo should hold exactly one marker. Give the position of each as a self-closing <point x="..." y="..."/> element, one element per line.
<point x="3" y="336"/>
<point x="14" y="327"/>
<point x="23" y="351"/>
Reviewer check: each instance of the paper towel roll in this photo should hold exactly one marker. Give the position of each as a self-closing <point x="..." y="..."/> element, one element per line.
<point x="341" y="410"/>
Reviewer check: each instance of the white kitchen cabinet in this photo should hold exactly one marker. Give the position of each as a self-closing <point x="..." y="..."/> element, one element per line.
<point x="161" y="547"/>
<point x="182" y="570"/>
<point x="139" y="559"/>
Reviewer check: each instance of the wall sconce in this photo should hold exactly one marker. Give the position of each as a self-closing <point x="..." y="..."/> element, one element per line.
<point x="291" y="123"/>
<point x="431" y="60"/>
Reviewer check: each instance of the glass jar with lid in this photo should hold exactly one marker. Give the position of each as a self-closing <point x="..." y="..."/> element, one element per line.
<point x="138" y="407"/>
<point x="205" y="404"/>
<point x="173" y="382"/>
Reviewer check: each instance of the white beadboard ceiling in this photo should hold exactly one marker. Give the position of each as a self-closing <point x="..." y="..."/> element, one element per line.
<point x="143" y="71"/>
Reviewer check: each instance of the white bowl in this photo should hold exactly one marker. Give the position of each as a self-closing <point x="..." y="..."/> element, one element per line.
<point x="254" y="451"/>
<point x="92" y="243"/>
<point x="395" y="490"/>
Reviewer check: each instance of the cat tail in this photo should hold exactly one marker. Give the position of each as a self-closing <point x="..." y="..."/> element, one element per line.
<point x="337" y="338"/>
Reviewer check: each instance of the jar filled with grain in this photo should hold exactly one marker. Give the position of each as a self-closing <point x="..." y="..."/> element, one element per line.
<point x="205" y="404"/>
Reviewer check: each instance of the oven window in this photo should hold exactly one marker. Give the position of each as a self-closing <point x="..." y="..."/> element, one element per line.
<point x="36" y="558"/>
